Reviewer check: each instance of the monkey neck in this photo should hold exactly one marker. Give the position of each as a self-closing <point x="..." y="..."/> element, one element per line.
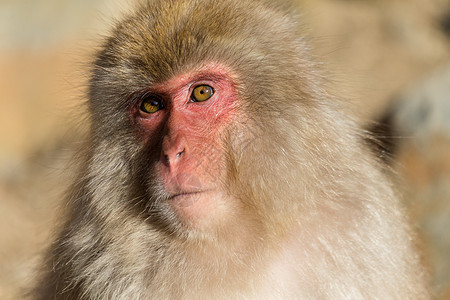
<point x="245" y="253"/>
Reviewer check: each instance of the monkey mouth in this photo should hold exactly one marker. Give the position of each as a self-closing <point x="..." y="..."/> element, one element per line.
<point x="184" y="194"/>
<point x="184" y="200"/>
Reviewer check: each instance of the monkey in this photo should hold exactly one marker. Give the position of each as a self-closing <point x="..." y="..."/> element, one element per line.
<point x="218" y="166"/>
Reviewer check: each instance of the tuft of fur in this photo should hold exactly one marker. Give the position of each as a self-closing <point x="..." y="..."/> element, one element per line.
<point x="316" y="217"/>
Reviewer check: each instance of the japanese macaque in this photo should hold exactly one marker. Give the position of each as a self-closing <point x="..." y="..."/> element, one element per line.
<point x="218" y="167"/>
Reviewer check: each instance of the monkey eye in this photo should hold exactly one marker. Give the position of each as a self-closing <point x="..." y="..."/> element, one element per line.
<point x="151" y="105"/>
<point x="202" y="93"/>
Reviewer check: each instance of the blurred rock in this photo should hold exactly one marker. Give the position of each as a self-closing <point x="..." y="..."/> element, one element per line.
<point x="445" y="22"/>
<point x="423" y="111"/>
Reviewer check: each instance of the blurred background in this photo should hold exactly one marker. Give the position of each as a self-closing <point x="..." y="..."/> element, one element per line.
<point x="389" y="59"/>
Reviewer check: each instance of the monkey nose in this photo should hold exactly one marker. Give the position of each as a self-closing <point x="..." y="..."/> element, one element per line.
<point x="173" y="151"/>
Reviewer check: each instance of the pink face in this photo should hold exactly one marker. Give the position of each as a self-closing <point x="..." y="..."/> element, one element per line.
<point x="188" y="115"/>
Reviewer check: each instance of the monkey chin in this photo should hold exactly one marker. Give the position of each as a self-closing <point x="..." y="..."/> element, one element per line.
<point x="199" y="210"/>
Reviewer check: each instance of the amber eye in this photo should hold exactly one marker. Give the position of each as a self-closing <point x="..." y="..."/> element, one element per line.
<point x="151" y="105"/>
<point x="202" y="93"/>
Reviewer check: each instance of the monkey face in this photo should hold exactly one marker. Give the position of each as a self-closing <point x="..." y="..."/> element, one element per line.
<point x="183" y="122"/>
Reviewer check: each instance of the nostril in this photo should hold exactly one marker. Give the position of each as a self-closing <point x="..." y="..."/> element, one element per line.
<point x="171" y="158"/>
<point x="180" y="153"/>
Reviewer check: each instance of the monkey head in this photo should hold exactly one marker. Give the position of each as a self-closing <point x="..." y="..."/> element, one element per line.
<point x="190" y="104"/>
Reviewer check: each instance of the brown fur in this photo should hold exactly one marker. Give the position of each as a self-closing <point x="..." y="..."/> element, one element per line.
<point x="314" y="216"/>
